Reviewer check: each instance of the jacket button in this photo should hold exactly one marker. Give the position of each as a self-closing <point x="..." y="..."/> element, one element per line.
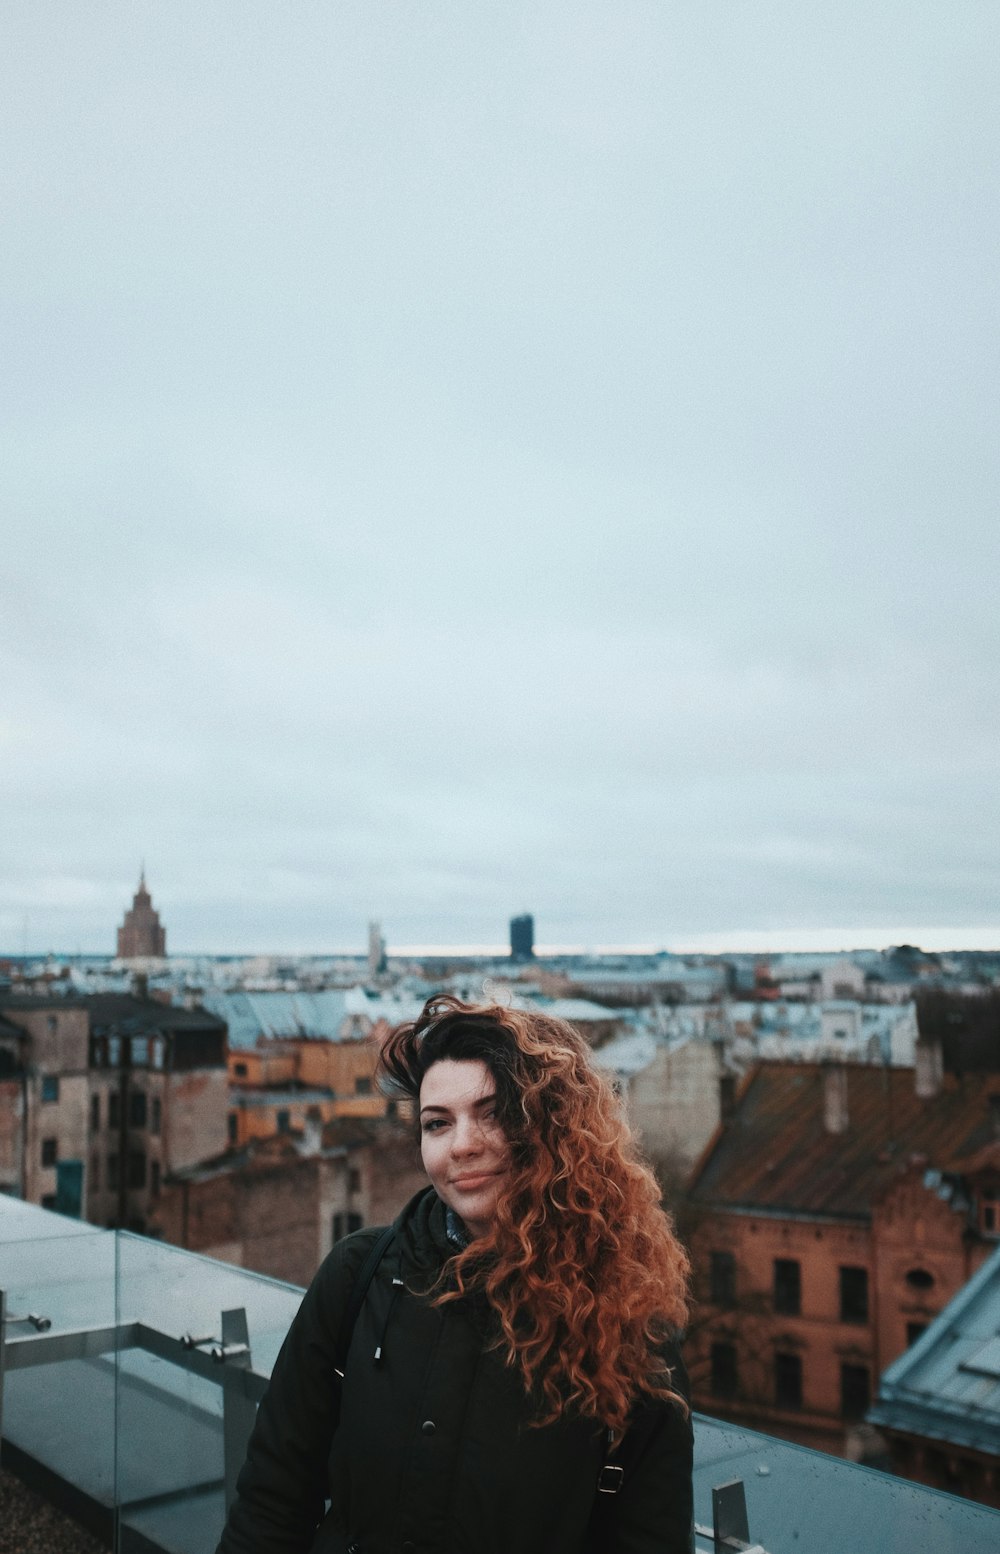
<point x="427" y="1428"/>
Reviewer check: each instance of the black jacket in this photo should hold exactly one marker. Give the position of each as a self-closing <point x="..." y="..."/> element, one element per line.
<point x="428" y="1450"/>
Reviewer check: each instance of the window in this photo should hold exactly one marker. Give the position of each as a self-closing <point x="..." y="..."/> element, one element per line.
<point x="283" y="1122"/>
<point x="114" y="1110"/>
<point x="723" y="1370"/>
<point x="240" y="1070"/>
<point x="920" y="1279"/>
<point x="854" y="1294"/>
<point x="913" y="1332"/>
<point x="344" y="1224"/>
<point x="787" y="1286"/>
<point x="155" y="1124"/>
<point x="140" y="1051"/>
<point x="362" y="1085"/>
<point x="137" y="1109"/>
<point x="722" y="1275"/>
<point x="989" y="1212"/>
<point x="137" y="1168"/>
<point x="788" y="1380"/>
<point x="50" y="1087"/>
<point x="112" y="1173"/>
<point x="114" y="1051"/>
<point x="231" y="1127"/>
<point x="354" y="1180"/>
<point x="154" y="1178"/>
<point x="855" y="1391"/>
<point x="95" y="1113"/>
<point x="50" y="1200"/>
<point x="157" y="1052"/>
<point x="50" y="1151"/>
<point x="95" y="1173"/>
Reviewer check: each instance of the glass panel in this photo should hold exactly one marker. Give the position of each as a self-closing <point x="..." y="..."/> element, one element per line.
<point x="172" y="1397"/>
<point x="57" y="1383"/>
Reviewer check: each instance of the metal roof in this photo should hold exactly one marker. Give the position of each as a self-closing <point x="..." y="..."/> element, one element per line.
<point x="947" y="1385"/>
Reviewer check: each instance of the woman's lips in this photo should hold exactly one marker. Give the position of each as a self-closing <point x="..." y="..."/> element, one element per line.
<point x="470" y="1182"/>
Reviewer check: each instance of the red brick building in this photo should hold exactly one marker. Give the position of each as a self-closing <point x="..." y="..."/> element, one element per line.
<point x="835" y="1213"/>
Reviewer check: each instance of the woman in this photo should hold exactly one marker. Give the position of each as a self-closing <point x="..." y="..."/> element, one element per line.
<point x="512" y="1383"/>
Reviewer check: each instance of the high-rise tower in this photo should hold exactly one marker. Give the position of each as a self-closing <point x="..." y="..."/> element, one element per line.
<point x="141" y="935"/>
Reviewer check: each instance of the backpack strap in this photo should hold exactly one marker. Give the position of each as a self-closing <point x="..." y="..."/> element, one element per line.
<point x="358" y="1292"/>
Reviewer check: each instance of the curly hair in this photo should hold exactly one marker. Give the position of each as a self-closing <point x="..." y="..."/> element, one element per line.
<point x="581" y="1264"/>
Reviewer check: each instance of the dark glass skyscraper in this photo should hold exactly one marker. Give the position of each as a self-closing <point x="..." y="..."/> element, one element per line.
<point x="522" y="937"/>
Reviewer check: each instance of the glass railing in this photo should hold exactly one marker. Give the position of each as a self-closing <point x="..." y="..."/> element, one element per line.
<point x="131" y="1370"/>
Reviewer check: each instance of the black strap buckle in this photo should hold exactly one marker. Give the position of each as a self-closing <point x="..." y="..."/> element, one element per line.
<point x="610" y="1479"/>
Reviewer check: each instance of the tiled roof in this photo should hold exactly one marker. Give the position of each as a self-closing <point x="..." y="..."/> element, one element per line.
<point x="775" y="1154"/>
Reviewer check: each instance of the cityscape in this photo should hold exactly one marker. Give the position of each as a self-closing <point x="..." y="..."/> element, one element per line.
<point x="825" y="1129"/>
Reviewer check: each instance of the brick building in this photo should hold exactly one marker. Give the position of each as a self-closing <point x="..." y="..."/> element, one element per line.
<point x="278" y="1205"/>
<point x="278" y="1085"/>
<point x="108" y="1094"/>
<point x="141" y="935"/>
<point x="832" y="1217"/>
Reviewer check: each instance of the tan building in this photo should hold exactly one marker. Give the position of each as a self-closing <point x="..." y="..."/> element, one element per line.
<point x="833" y="1216"/>
<point x="279" y="1204"/>
<point x="141" y="936"/>
<point x="108" y="1093"/>
<point x="279" y="1085"/>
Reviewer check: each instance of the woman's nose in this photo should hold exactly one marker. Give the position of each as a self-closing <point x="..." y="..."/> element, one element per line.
<point x="467" y="1137"/>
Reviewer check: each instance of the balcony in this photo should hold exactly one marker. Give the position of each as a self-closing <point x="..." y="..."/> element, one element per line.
<point x="130" y="1373"/>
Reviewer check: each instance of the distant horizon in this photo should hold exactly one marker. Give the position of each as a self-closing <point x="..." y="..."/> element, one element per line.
<point x="832" y="941"/>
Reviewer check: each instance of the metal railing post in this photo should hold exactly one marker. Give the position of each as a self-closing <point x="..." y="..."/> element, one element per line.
<point x="238" y="1407"/>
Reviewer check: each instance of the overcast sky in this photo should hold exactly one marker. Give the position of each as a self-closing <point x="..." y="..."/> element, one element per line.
<point x="467" y="458"/>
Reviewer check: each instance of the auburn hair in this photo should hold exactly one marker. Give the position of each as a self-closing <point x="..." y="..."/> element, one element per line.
<point x="581" y="1264"/>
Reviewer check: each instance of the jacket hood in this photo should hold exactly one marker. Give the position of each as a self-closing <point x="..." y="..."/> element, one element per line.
<point x="421" y="1232"/>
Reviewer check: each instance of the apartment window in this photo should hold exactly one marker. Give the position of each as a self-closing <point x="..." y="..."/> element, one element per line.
<point x="345" y="1223"/>
<point x="113" y="1172"/>
<point x="354" y="1180"/>
<point x="137" y="1168"/>
<point x="140" y="1051"/>
<point x="157" y="1118"/>
<point x="724" y="1379"/>
<point x="989" y="1212"/>
<point x="157" y="1052"/>
<point x="855" y="1391"/>
<point x="154" y="1178"/>
<point x="788" y="1380"/>
<point x="231" y="1127"/>
<point x="50" y="1151"/>
<point x="722" y="1277"/>
<point x="114" y="1109"/>
<point x="50" y="1200"/>
<point x="362" y="1085"/>
<point x="913" y="1332"/>
<point x="920" y="1279"/>
<point x="114" y="1051"/>
<point x="787" y="1286"/>
<point x="137" y="1109"/>
<point x="95" y="1113"/>
<point x="240" y="1070"/>
<point x="50" y="1087"/>
<point x="284" y="1122"/>
<point x="854" y="1294"/>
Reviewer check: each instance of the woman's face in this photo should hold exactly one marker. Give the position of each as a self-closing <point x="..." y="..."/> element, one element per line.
<point x="463" y="1147"/>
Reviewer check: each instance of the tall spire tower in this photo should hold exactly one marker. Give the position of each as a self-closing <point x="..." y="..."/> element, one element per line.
<point x="141" y="935"/>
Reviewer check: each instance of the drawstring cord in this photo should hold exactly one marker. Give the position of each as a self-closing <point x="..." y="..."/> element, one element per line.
<point x="397" y="1285"/>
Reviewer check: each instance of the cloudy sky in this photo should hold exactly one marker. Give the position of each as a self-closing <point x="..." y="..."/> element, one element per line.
<point x="467" y="458"/>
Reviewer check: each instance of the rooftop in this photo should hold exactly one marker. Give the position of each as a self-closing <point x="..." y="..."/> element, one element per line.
<point x="125" y="1358"/>
<point x="775" y="1152"/>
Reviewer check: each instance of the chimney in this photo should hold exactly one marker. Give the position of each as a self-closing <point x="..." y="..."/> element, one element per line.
<point x="835" y="1115"/>
<point x="929" y="1068"/>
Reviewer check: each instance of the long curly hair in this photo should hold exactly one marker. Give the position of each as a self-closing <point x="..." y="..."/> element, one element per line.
<point x="581" y="1264"/>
